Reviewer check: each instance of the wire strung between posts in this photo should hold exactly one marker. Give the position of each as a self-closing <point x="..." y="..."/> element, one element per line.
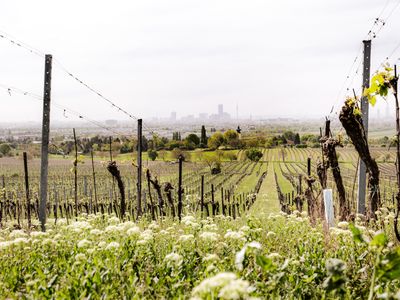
<point x="25" y="46"/>
<point x="11" y="90"/>
<point x="20" y="44"/>
<point x="373" y="32"/>
<point x="108" y="100"/>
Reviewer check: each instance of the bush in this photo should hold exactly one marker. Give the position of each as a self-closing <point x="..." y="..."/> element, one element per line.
<point x="217" y="169"/>
<point x="254" y="154"/>
<point x="5" y="149"/>
<point x="301" y="146"/>
<point x="152" y="154"/>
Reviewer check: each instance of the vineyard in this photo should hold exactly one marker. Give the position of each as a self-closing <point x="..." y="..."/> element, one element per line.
<point x="233" y="241"/>
<point x="240" y="181"/>
<point x="123" y="183"/>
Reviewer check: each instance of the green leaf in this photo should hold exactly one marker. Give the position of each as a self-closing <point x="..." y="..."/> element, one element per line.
<point x="379" y="240"/>
<point x="264" y="262"/>
<point x="372" y="100"/>
<point x="389" y="268"/>
<point x="357" y="234"/>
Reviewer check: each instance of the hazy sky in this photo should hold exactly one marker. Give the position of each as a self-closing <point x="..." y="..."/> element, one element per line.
<point x="272" y="58"/>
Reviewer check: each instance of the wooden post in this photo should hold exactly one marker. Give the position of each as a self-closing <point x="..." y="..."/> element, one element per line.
<point x="110" y="143"/>
<point x="309" y="166"/>
<point x="222" y="201"/>
<point x="28" y="202"/>
<point x="180" y="189"/>
<point x="44" y="164"/>
<point x="139" y="173"/>
<point x="362" y="170"/>
<point x="202" y="195"/>
<point x="212" y="200"/>
<point x="300" y="187"/>
<point x="94" y="183"/>
<point x="76" y="176"/>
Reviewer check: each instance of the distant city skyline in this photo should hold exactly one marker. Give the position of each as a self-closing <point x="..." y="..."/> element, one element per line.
<point x="272" y="58"/>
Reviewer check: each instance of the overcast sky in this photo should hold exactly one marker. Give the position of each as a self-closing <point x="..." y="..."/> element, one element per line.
<point x="272" y="58"/>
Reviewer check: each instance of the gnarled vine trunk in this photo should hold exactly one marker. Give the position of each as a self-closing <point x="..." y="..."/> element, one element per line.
<point x="113" y="169"/>
<point x="354" y="127"/>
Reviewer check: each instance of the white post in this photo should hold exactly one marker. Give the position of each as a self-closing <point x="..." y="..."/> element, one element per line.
<point x="329" y="213"/>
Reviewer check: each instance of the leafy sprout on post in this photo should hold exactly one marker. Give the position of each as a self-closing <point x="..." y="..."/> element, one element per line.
<point x="381" y="83"/>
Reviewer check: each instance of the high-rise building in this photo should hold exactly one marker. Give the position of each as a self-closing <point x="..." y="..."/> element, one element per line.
<point x="173" y="116"/>
<point x="220" y="110"/>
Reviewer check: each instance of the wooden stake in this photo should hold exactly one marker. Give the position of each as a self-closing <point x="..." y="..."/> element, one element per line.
<point x="28" y="202"/>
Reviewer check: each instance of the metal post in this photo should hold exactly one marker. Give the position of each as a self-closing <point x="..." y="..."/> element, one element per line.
<point x="44" y="164"/>
<point x="362" y="171"/>
<point x="139" y="174"/>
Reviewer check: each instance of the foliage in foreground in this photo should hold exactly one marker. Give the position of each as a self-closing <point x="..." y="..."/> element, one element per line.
<point x="277" y="255"/>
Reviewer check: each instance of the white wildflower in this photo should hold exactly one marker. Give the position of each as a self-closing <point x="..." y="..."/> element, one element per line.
<point x="96" y="232"/>
<point x="173" y="260"/>
<point x="234" y="235"/>
<point x="18" y="234"/>
<point x="186" y="237"/>
<point x="133" y="231"/>
<point x="112" y="246"/>
<point x="343" y="225"/>
<point x="102" y="244"/>
<point x="239" y="258"/>
<point x="211" y="257"/>
<point x="224" y="285"/>
<point x="38" y="234"/>
<point x="80" y="257"/>
<point x="210" y="227"/>
<point x="84" y="243"/>
<point x="113" y="220"/>
<point x="209" y="236"/>
<point x="236" y="289"/>
<point x="274" y="255"/>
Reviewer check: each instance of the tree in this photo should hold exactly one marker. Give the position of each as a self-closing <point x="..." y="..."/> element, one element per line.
<point x="297" y="139"/>
<point x="5" y="149"/>
<point x="232" y="138"/>
<point x="203" y="137"/>
<point x="213" y="163"/>
<point x="193" y="138"/>
<point x="216" y="140"/>
<point x="254" y="154"/>
<point x="152" y="154"/>
<point x="177" y="152"/>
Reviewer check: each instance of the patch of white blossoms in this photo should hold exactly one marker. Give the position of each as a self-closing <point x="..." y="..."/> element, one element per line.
<point x="224" y="286"/>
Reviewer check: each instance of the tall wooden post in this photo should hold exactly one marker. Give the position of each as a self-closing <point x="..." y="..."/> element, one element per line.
<point x="202" y="195"/>
<point x="212" y="200"/>
<point x="76" y="176"/>
<point x="28" y="202"/>
<point x="139" y="174"/>
<point x="44" y="164"/>
<point x="362" y="170"/>
<point x="180" y="189"/>
<point x="94" y="184"/>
